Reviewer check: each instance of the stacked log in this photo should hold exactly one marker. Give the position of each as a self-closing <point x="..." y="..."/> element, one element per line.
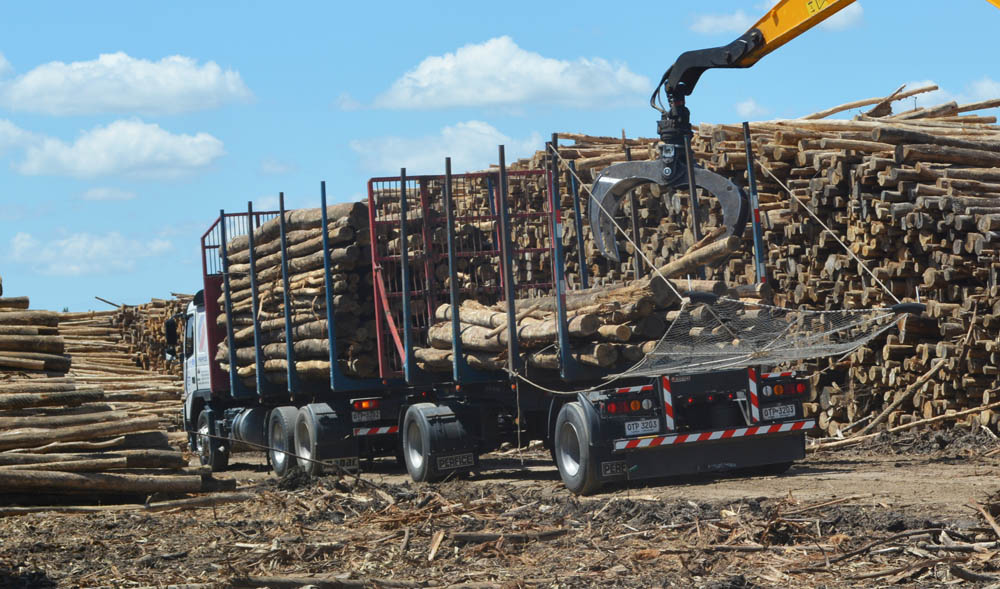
<point x="348" y="235"/>
<point x="915" y="196"/>
<point x="141" y="328"/>
<point x="30" y="340"/>
<point x="104" y="353"/>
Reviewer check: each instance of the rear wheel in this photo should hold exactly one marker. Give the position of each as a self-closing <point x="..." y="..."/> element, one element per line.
<point x="211" y="451"/>
<point x="417" y="443"/>
<point x="281" y="439"/>
<point x="572" y="450"/>
<point x="306" y="443"/>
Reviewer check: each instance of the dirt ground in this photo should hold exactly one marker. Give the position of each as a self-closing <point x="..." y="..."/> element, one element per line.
<point x="897" y="512"/>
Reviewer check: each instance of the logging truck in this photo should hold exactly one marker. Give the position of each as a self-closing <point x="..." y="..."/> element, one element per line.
<point x="445" y="390"/>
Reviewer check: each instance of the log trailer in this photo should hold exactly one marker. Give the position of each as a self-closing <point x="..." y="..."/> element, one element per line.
<point x="600" y="427"/>
<point x="632" y="427"/>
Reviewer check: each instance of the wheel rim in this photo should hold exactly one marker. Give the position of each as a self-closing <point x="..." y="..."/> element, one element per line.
<point x="203" y="445"/>
<point x="414" y="446"/>
<point x="303" y="441"/>
<point x="278" y="445"/>
<point x="569" y="449"/>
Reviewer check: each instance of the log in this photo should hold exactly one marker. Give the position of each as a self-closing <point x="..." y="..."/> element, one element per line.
<point x="34" y="438"/>
<point x="33" y="481"/>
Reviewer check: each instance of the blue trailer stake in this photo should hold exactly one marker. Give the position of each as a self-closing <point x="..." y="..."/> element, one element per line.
<point x="292" y="373"/>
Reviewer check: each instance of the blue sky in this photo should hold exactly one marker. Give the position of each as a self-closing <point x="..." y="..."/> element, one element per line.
<point x="125" y="127"/>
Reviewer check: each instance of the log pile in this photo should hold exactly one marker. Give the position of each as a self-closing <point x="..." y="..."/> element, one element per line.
<point x="347" y="231"/>
<point x="104" y="430"/>
<point x="30" y="340"/>
<point x="915" y="196"/>
<point x="141" y="328"/>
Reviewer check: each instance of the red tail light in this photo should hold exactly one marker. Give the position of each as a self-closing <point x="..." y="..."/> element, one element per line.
<point x="800" y="388"/>
<point x="366" y="404"/>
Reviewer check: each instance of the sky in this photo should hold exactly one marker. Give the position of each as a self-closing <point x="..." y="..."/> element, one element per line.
<point x="125" y="127"/>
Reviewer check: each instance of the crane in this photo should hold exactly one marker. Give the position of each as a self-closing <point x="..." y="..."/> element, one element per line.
<point x="675" y="167"/>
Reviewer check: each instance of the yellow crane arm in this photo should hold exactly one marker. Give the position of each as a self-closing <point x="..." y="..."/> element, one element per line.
<point x="785" y="21"/>
<point x="789" y="19"/>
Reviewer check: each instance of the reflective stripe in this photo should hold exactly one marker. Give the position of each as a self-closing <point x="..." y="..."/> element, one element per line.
<point x="374" y="431"/>
<point x="776" y="374"/>
<point x="724" y="434"/>
<point x="668" y="403"/>
<point x="641" y="389"/>
<point x="754" y="402"/>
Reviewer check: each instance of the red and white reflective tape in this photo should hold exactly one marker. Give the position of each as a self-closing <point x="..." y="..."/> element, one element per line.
<point x="668" y="402"/>
<point x="641" y="389"/>
<point x="776" y="375"/>
<point x="374" y="431"/>
<point x="722" y="434"/>
<point x="754" y="400"/>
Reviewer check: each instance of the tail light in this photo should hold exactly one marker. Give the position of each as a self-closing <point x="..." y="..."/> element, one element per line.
<point x="366" y="404"/>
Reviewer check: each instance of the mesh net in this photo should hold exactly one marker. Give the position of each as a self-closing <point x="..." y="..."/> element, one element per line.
<point x="730" y="333"/>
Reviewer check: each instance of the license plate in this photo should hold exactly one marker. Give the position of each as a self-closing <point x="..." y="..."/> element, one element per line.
<point x="778" y="412"/>
<point x="456" y="461"/>
<point x="349" y="464"/>
<point x="615" y="468"/>
<point x="359" y="416"/>
<point x="646" y="426"/>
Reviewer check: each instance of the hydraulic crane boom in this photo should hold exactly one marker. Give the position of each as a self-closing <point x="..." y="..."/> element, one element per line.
<point x="785" y="21"/>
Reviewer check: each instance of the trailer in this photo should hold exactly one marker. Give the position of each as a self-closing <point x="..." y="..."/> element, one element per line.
<point x="600" y="427"/>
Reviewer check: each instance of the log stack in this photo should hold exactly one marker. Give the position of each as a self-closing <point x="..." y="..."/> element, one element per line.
<point x="141" y="329"/>
<point x="30" y="340"/>
<point x="96" y="431"/>
<point x="914" y="195"/>
<point x="347" y="231"/>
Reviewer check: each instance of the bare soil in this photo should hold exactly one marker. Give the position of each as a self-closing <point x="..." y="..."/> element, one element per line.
<point x="895" y="512"/>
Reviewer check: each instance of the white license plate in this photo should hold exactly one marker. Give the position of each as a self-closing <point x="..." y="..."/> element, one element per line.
<point x="359" y="416"/>
<point x="778" y="412"/>
<point x="456" y="461"/>
<point x="348" y="464"/>
<point x="646" y="426"/>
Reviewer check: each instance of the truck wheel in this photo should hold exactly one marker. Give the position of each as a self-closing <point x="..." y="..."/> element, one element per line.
<point x="417" y="443"/>
<point x="211" y="451"/>
<point x="281" y="439"/>
<point x="572" y="450"/>
<point x="306" y="443"/>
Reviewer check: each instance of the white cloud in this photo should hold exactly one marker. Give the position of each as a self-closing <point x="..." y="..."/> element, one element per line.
<point x="13" y="136"/>
<point x="107" y="193"/>
<point x="129" y="148"/>
<point x="984" y="89"/>
<point x="847" y="18"/>
<point x="735" y="22"/>
<point x="5" y="66"/>
<point x="116" y="82"/>
<point x="347" y="102"/>
<point x="84" y="253"/>
<point x="749" y="109"/>
<point x="499" y="73"/>
<point x="272" y="166"/>
<point x="472" y="145"/>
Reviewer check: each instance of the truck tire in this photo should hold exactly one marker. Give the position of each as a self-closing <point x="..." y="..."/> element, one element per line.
<point x="306" y="443"/>
<point x="281" y="439"/>
<point x="416" y="436"/>
<point x="211" y="452"/>
<point x="572" y="450"/>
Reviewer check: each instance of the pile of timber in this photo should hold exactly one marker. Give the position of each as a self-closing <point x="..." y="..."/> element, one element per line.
<point x="30" y="340"/>
<point x="97" y="432"/>
<point x="350" y="254"/>
<point x="141" y="328"/>
<point x="914" y="195"/>
<point x="104" y="357"/>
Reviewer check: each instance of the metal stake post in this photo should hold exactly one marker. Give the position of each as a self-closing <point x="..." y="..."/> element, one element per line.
<point x="758" y="233"/>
